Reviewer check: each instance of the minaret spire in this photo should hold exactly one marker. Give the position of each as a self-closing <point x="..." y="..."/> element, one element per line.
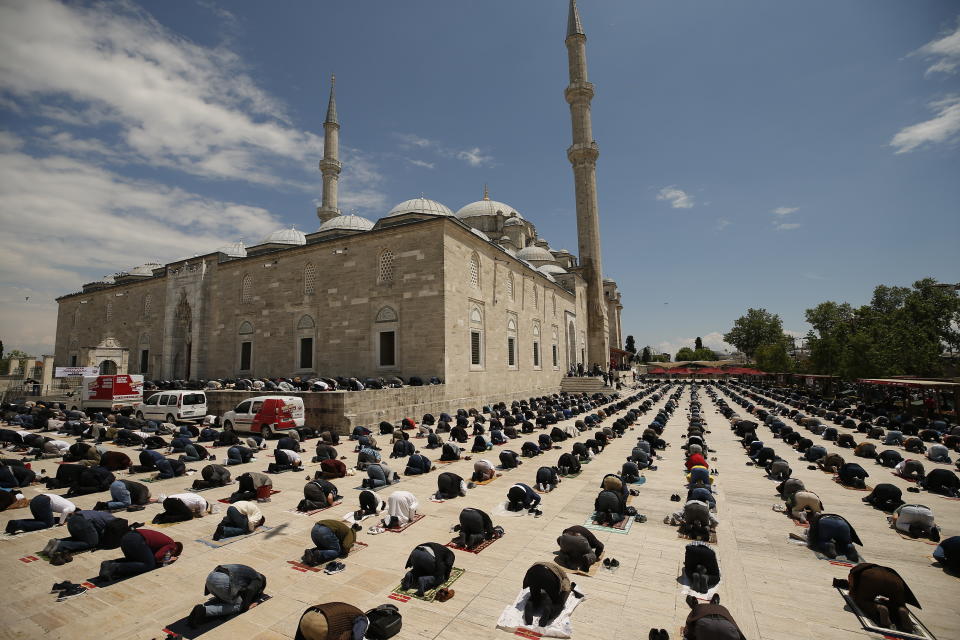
<point x="330" y="164"/>
<point x="583" y="154"/>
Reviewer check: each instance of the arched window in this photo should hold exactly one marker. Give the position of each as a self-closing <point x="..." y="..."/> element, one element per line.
<point x="309" y="279"/>
<point x="476" y="338"/>
<point x="246" y="289"/>
<point x="555" y="348"/>
<point x="536" y="345"/>
<point x="385" y="270"/>
<point x="510" y="287"/>
<point x="108" y="368"/>
<point x="306" y="322"/>
<point x="475" y="271"/>
<point x="512" y="342"/>
<point x="387" y="314"/>
<point x="147" y="305"/>
<point x="109" y="312"/>
<point x="245" y="328"/>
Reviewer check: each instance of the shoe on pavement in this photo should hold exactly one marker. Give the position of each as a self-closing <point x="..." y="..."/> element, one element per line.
<point x="71" y="592"/>
<point x="60" y="586"/>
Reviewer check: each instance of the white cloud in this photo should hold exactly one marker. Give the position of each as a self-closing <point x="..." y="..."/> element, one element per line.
<point x="944" y="52"/>
<point x="169" y="101"/>
<point x="86" y="221"/>
<point x="785" y="226"/>
<point x="409" y="140"/>
<point x="678" y="198"/>
<point x="722" y="223"/>
<point x="475" y="156"/>
<point x="422" y="163"/>
<point x="944" y="127"/>
<point x="784" y="211"/>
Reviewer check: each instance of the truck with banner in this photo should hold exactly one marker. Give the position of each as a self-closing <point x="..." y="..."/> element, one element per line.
<point x="111" y="392"/>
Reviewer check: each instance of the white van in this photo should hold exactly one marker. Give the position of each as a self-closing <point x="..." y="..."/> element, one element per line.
<point x="174" y="406"/>
<point x="266" y="415"/>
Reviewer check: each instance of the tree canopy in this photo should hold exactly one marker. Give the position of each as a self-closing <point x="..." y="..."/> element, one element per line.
<point x="758" y="327"/>
<point x="645" y="355"/>
<point x="697" y="344"/>
<point x="630" y="345"/>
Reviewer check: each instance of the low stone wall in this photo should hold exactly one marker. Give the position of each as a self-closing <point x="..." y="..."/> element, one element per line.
<point x="341" y="411"/>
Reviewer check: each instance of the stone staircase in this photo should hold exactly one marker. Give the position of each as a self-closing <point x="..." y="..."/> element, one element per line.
<point x="587" y="385"/>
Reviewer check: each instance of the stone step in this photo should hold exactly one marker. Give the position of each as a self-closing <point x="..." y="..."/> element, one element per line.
<point x="581" y="385"/>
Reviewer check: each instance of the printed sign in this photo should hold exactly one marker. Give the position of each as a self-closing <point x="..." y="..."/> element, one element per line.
<point x="66" y="372"/>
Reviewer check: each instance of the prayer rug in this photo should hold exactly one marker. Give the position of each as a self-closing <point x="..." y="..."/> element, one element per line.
<point x="712" y="540"/>
<point x="593" y="568"/>
<point x="480" y="547"/>
<point x="17" y="536"/>
<point x="488" y="481"/>
<point x="622" y="527"/>
<point x="501" y="511"/>
<point x="866" y="487"/>
<point x="315" y="511"/>
<point x="640" y="480"/>
<point x="362" y="488"/>
<point x="687" y="590"/>
<point x="894" y="473"/>
<point x="180" y="628"/>
<point x="297" y="565"/>
<point x="437" y="500"/>
<point x="871" y="626"/>
<point x="193" y="490"/>
<point x="151" y="479"/>
<point x="840" y="561"/>
<point x="222" y="542"/>
<point x="429" y="596"/>
<point x="571" y="475"/>
<point x="446" y="461"/>
<point x="512" y="618"/>
<point x="227" y="500"/>
<point x="417" y="518"/>
<point x="907" y="536"/>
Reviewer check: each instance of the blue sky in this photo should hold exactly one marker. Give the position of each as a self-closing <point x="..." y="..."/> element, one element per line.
<point x="753" y="154"/>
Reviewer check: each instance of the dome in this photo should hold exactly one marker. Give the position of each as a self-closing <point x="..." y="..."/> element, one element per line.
<point x="609" y="281"/>
<point x="536" y="253"/>
<point x="551" y="269"/>
<point x="286" y="236"/>
<point x="144" y="269"/>
<point x="480" y="234"/>
<point x="349" y="222"/>
<point x="486" y="208"/>
<point x="106" y="280"/>
<point x="420" y="205"/>
<point x="233" y="250"/>
<point x="511" y="222"/>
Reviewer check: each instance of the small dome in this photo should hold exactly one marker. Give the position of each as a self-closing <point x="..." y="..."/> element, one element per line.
<point x="512" y="222"/>
<point x="535" y="253"/>
<point x="481" y="234"/>
<point x="486" y="208"/>
<point x="106" y="280"/>
<point x="609" y="281"/>
<point x="420" y="205"/>
<point x="551" y="269"/>
<point x="563" y="252"/>
<point x="348" y="222"/>
<point x="286" y="236"/>
<point x="144" y="269"/>
<point x="233" y="250"/>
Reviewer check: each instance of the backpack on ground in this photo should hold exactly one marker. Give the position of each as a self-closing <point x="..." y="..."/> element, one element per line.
<point x="385" y="622"/>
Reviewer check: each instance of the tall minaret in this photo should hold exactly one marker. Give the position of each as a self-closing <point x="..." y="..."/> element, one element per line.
<point x="330" y="165"/>
<point x="583" y="155"/>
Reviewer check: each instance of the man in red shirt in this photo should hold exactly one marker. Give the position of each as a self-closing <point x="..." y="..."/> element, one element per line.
<point x="143" y="550"/>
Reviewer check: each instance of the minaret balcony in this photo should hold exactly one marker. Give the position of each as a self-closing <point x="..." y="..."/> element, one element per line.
<point x="581" y="152"/>
<point x="328" y="165"/>
<point x="579" y="92"/>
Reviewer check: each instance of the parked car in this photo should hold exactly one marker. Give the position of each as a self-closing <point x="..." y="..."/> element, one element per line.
<point x="174" y="406"/>
<point x="265" y="415"/>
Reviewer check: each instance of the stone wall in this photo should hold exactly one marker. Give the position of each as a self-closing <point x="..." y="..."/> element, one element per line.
<point x="340" y="411"/>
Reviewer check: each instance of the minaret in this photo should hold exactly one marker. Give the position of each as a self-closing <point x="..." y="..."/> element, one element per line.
<point x="330" y="165"/>
<point x="583" y="155"/>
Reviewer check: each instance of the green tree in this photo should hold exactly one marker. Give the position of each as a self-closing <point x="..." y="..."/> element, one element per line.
<point x="703" y="353"/>
<point x="684" y="355"/>
<point x="757" y="327"/>
<point x="645" y="355"/>
<point x="773" y="357"/>
<point x="630" y="345"/>
<point x="697" y="344"/>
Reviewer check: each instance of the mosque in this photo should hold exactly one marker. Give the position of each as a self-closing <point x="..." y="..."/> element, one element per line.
<point x="474" y="297"/>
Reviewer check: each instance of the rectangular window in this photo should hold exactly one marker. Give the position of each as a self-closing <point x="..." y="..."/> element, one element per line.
<point x="536" y="354"/>
<point x="144" y="360"/>
<point x="388" y="349"/>
<point x="246" y="355"/>
<point x="73" y="361"/>
<point x="476" y="353"/>
<point x="512" y="351"/>
<point x="555" y="356"/>
<point x="306" y="353"/>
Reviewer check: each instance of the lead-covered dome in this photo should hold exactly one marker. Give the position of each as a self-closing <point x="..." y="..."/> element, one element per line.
<point x="233" y="250"/>
<point x="533" y="253"/>
<point x="348" y="222"/>
<point x="286" y="236"/>
<point x="420" y="205"/>
<point x="144" y="269"/>
<point x="486" y="207"/>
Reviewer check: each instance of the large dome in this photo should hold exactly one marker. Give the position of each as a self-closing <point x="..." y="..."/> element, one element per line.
<point x="286" y="236"/>
<point x="348" y="222"/>
<point x="486" y="208"/>
<point x="420" y="205"/>
<point x="535" y="253"/>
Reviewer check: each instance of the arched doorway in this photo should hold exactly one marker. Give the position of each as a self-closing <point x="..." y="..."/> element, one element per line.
<point x="182" y="340"/>
<point x="108" y="368"/>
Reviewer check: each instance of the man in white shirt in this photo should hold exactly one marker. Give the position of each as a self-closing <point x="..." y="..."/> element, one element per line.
<point x="48" y="509"/>
<point x="242" y="517"/>
<point x="181" y="507"/>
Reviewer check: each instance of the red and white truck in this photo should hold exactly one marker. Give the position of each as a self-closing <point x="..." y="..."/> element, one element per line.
<point x="111" y="392"/>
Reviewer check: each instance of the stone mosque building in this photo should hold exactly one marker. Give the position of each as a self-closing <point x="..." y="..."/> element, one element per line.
<point x="474" y="297"/>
